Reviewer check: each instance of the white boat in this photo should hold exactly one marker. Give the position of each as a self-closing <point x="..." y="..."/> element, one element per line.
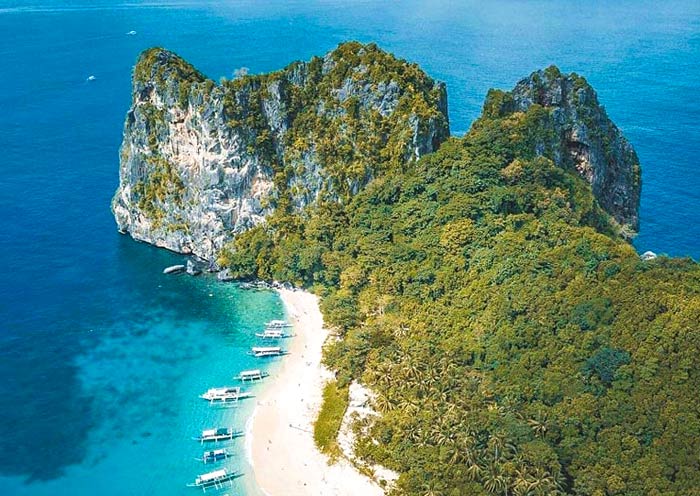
<point x="272" y="333"/>
<point x="225" y="394"/>
<point x="266" y="351"/>
<point x="252" y="375"/>
<point x="216" y="479"/>
<point x="214" y="456"/>
<point x="91" y="78"/>
<point x="218" y="434"/>
<point x="131" y="33"/>
<point x="278" y="324"/>
<point x="174" y="269"/>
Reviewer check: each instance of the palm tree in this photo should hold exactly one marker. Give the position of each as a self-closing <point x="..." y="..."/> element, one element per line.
<point x="383" y="404"/>
<point x="494" y="482"/>
<point x="455" y="455"/>
<point x="521" y="486"/>
<point x="539" y="424"/>
<point x="409" y="405"/>
<point x="496" y="444"/>
<point x="474" y="471"/>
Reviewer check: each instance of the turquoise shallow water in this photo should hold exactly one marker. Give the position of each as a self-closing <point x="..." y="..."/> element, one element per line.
<point x="102" y="356"/>
<point x="138" y="378"/>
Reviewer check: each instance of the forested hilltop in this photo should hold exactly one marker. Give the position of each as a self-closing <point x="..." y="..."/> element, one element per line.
<point x="516" y="342"/>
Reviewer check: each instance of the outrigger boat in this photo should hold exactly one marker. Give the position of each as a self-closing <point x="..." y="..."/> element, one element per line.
<point x="277" y="324"/>
<point x="213" y="456"/>
<point x="272" y="333"/>
<point x="252" y="375"/>
<point x="225" y="394"/>
<point x="219" y="434"/>
<point x="266" y="351"/>
<point x="216" y="479"/>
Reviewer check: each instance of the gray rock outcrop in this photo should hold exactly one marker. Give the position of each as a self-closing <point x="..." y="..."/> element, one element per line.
<point x="578" y="135"/>
<point x="202" y="161"/>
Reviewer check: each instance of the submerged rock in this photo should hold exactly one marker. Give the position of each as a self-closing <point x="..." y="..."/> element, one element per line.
<point x="192" y="269"/>
<point x="202" y="161"/>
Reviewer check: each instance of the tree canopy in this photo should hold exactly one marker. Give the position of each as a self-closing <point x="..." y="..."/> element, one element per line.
<point x="516" y="342"/>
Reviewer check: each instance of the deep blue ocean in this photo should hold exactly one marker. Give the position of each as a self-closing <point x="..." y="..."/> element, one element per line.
<point x="101" y="355"/>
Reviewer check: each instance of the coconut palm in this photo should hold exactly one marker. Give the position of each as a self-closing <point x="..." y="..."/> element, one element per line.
<point x="538" y="424"/>
<point x="474" y="471"/>
<point x="383" y="404"/>
<point x="494" y="481"/>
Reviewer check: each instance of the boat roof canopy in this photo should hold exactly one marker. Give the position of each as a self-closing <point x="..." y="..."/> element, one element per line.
<point x="216" y="474"/>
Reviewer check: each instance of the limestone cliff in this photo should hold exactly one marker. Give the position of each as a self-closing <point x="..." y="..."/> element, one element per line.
<point x="202" y="161"/>
<point x="578" y="134"/>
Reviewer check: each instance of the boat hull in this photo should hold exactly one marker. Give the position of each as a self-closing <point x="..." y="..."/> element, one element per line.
<point x="253" y="378"/>
<point x="216" y="483"/>
<point x="225" y="399"/>
<point x="214" y="459"/>
<point x="219" y="437"/>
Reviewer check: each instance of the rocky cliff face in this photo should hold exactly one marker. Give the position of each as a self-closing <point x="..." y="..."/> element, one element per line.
<point x="202" y="161"/>
<point x="578" y="134"/>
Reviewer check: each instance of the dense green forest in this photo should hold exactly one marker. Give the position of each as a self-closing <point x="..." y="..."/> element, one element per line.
<point x="516" y="342"/>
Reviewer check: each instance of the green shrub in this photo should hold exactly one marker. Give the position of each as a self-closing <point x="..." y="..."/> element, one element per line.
<point x="330" y="417"/>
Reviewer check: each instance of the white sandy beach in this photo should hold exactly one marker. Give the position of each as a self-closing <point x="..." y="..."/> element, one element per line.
<point x="280" y="432"/>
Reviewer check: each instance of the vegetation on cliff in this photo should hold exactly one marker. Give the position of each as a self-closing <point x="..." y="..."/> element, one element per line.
<point x="578" y="135"/>
<point x="352" y="112"/>
<point x="517" y="344"/>
<point x="161" y="187"/>
<point x="317" y="129"/>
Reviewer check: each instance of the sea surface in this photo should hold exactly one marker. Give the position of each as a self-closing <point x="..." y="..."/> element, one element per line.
<point x="101" y="355"/>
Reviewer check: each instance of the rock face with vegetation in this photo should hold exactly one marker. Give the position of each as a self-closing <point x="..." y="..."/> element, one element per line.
<point x="576" y="133"/>
<point x="201" y="161"/>
<point x="515" y="342"/>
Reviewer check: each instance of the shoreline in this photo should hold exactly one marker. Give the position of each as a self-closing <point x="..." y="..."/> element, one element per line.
<point x="279" y="434"/>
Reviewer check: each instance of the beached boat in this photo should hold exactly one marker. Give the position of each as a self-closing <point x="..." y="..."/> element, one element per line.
<point x="225" y="394"/>
<point x="213" y="456"/>
<point x="272" y="333"/>
<point x="266" y="351"/>
<point x="214" y="480"/>
<point x="218" y="434"/>
<point x="277" y="324"/>
<point x="252" y="375"/>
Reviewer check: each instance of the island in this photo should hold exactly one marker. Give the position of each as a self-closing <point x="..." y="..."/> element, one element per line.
<point x="491" y="330"/>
